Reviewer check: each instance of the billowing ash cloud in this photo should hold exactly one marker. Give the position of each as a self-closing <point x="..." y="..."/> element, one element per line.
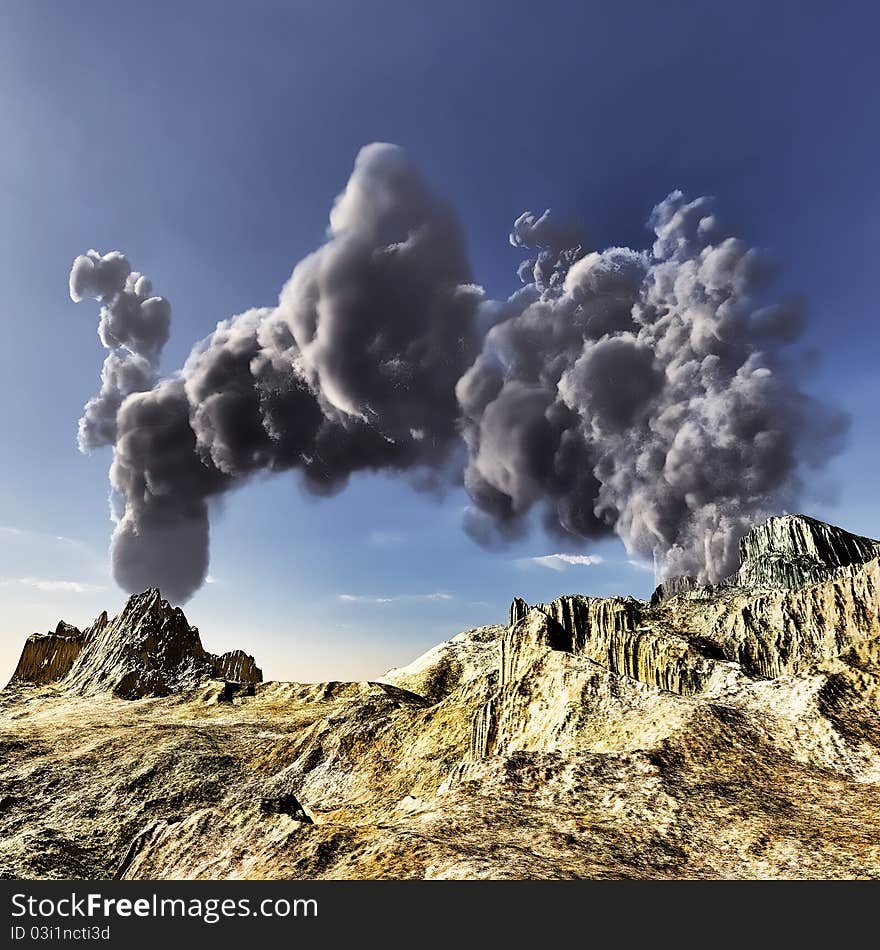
<point x="645" y="392"/>
<point x="356" y="366"/>
<point x="354" y="369"/>
<point x="133" y="326"/>
<point x="557" y="243"/>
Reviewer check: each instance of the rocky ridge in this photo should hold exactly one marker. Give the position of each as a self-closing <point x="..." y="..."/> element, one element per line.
<point x="729" y="731"/>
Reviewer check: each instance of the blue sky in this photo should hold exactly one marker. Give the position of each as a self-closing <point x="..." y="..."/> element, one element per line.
<point x="208" y="143"/>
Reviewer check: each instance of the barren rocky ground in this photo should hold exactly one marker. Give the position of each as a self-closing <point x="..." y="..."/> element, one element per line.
<point x="731" y="731"/>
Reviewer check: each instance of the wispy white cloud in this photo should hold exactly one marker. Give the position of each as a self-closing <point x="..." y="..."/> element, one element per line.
<point x="59" y="542"/>
<point x="52" y="586"/>
<point x="393" y="599"/>
<point x="12" y="532"/>
<point x="210" y="579"/>
<point x="641" y="565"/>
<point x="562" y="562"/>
<point x="383" y="539"/>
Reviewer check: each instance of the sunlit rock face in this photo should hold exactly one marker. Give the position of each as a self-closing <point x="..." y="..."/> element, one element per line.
<point x="792" y="551"/>
<point x="724" y="731"/>
<point x="804" y="591"/>
<point x="773" y="633"/>
<point x="47" y="657"/>
<point x="614" y="632"/>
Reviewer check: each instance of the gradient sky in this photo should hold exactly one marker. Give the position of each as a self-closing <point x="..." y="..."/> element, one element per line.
<point x="208" y="144"/>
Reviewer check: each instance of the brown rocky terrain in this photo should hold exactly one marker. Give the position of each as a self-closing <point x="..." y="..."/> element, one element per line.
<point x="726" y="731"/>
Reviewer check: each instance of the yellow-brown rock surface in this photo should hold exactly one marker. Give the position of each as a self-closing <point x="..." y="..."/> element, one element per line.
<point x="725" y="732"/>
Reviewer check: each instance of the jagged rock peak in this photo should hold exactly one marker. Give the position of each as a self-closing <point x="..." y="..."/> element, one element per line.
<point x="790" y="551"/>
<point x="800" y="534"/>
<point x="149" y="603"/>
<point x="63" y="629"/>
<point x="785" y="552"/>
<point x="148" y="649"/>
<point x="518" y="609"/>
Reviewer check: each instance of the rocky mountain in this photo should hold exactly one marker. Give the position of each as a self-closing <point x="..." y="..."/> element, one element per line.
<point x="149" y="649"/>
<point x="726" y="731"/>
<point x="783" y="553"/>
<point x="791" y="551"/>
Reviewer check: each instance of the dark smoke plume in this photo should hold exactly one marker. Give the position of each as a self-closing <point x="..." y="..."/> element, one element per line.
<point x="133" y="326"/>
<point x="646" y="393"/>
<point x="354" y="369"/>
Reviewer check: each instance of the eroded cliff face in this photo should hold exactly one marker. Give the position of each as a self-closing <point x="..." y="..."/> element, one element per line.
<point x="235" y="666"/>
<point x="777" y="633"/>
<point x="48" y="657"/>
<point x="805" y="592"/>
<point x="617" y="633"/>
<point x="732" y="732"/>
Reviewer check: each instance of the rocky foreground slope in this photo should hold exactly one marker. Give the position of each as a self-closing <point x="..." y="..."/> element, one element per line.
<point x="727" y="731"/>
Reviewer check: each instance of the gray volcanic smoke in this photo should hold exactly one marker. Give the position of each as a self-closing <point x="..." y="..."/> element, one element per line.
<point x="133" y="327"/>
<point x="645" y="393"/>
